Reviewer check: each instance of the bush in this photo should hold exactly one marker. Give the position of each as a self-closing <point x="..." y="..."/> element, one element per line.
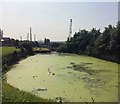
<point x="28" y="47"/>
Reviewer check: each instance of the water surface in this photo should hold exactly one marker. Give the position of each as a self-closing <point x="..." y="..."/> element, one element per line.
<point x="72" y="77"/>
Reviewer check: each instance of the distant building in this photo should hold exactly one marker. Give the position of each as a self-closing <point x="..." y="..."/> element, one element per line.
<point x="24" y="42"/>
<point x="6" y="41"/>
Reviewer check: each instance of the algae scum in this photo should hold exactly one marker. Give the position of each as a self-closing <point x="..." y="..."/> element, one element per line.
<point x="67" y="77"/>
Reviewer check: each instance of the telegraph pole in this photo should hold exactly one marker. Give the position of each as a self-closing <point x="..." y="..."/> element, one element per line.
<point x="1" y="33"/>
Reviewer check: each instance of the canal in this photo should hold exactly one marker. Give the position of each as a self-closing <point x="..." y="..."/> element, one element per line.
<point x="70" y="77"/>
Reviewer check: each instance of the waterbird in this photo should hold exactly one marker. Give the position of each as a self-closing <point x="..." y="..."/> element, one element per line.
<point x="49" y="71"/>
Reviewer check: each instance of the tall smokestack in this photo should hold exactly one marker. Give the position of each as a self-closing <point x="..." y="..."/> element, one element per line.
<point x="70" y="29"/>
<point x="34" y="37"/>
<point x="20" y="38"/>
<point x="30" y="34"/>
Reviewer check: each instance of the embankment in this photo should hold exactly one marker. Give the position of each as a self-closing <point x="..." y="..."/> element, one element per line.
<point x="12" y="58"/>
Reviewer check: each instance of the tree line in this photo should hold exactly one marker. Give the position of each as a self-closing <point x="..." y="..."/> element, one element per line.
<point x="105" y="45"/>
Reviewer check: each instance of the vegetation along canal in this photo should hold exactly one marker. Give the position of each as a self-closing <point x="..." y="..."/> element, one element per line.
<point x="67" y="76"/>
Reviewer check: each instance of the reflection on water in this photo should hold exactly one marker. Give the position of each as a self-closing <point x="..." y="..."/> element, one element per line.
<point x="67" y="77"/>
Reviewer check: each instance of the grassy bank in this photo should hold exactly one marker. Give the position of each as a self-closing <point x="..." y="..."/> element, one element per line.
<point x="8" y="50"/>
<point x="41" y="50"/>
<point x="11" y="94"/>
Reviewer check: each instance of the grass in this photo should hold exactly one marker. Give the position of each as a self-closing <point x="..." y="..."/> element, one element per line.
<point x="44" y="49"/>
<point x="7" y="50"/>
<point x="11" y="94"/>
<point x="40" y="49"/>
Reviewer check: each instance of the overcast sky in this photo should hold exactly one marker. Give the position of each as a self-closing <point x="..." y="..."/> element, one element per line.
<point x="51" y="19"/>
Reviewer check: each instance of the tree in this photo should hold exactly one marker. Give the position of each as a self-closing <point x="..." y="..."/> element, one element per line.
<point x="16" y="43"/>
<point x="105" y="45"/>
<point x="62" y="48"/>
<point x="46" y="41"/>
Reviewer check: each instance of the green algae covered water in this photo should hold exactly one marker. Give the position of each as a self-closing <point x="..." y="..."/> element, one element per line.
<point x="72" y="78"/>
